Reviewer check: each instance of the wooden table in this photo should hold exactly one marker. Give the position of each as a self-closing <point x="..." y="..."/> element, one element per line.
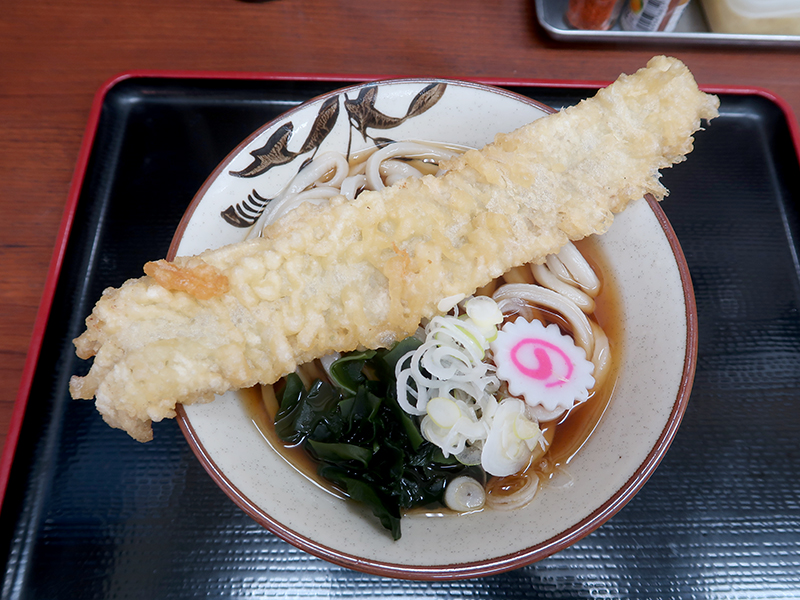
<point x="55" y="55"/>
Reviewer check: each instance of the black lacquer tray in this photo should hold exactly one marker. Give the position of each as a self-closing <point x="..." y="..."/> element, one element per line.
<point x="89" y="513"/>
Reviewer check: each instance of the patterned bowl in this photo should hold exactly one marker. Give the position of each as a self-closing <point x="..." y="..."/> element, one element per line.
<point x="656" y="348"/>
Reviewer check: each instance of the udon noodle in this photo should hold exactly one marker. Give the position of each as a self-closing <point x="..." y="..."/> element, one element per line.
<point x="563" y="290"/>
<point x="331" y="174"/>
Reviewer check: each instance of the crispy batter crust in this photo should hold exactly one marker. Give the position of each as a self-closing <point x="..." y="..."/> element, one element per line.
<point x="200" y="280"/>
<point x="364" y="273"/>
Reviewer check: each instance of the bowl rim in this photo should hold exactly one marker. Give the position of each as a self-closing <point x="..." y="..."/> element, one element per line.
<point x="222" y="166"/>
<point x="493" y="565"/>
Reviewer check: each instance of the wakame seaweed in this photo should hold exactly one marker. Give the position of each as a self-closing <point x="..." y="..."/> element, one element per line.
<point x="360" y="437"/>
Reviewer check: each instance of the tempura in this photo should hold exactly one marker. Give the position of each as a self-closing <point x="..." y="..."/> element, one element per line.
<point x="365" y="272"/>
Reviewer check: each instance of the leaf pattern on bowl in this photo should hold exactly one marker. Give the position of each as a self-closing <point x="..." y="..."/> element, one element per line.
<point x="276" y="152"/>
<point x="246" y="213"/>
<point x="362" y="116"/>
<point x="323" y="125"/>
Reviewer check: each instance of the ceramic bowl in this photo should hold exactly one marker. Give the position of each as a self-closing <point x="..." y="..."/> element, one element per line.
<point x="656" y="350"/>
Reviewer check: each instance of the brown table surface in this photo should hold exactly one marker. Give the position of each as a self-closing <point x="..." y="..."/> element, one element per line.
<point x="54" y="56"/>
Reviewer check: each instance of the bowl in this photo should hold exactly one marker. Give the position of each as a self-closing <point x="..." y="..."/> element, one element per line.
<point x="656" y="349"/>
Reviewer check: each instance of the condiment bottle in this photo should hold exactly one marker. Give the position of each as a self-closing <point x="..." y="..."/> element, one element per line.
<point x="652" y="15"/>
<point x="597" y="15"/>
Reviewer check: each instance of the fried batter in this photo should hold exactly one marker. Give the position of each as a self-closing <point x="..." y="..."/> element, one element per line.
<point x="363" y="273"/>
<point x="200" y="280"/>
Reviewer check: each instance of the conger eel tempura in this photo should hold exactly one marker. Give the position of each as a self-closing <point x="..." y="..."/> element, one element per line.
<point x="363" y="273"/>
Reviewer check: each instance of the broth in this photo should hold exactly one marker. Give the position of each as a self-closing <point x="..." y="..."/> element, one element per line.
<point x="262" y="406"/>
<point x="567" y="435"/>
<point x="572" y="431"/>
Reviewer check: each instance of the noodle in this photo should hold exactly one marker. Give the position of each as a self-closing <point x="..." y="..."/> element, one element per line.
<point x="566" y="284"/>
<point x="331" y="174"/>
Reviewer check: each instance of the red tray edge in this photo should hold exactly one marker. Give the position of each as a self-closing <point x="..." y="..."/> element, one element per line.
<point x="79" y="173"/>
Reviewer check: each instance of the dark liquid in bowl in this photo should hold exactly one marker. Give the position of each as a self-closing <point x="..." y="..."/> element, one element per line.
<point x="567" y="435"/>
<point x="573" y="431"/>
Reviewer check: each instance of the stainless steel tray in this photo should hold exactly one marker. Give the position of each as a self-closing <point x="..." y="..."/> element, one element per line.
<point x="691" y="29"/>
